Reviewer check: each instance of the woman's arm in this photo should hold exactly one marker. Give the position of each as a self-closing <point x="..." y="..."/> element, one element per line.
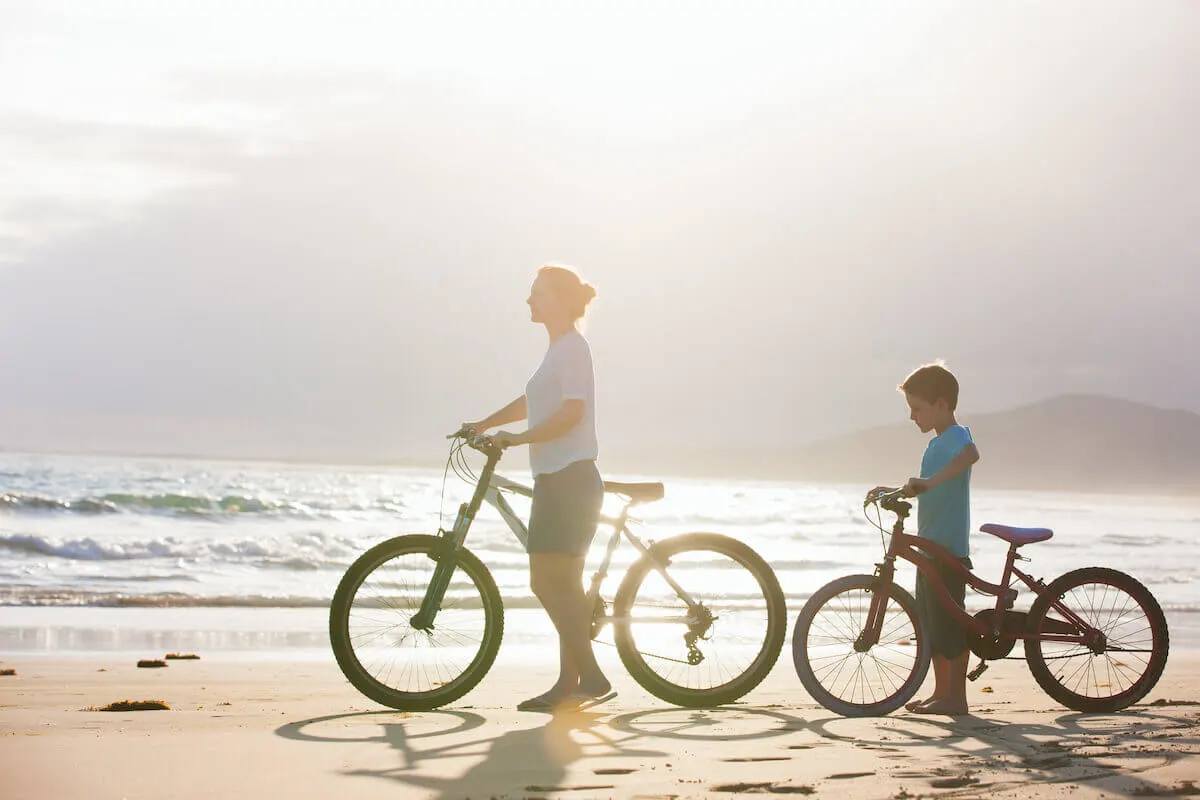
<point x="513" y="412"/>
<point x="557" y="424"/>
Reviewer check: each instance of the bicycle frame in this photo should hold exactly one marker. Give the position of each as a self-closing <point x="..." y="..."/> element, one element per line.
<point x="926" y="556"/>
<point x="489" y="489"/>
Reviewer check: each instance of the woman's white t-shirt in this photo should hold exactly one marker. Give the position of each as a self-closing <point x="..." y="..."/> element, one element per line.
<point x="565" y="374"/>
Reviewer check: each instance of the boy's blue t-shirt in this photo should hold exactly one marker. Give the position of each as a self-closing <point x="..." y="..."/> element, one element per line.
<point x="944" y="512"/>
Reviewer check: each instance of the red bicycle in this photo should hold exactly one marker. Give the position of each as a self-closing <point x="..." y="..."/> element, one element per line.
<point x="1095" y="639"/>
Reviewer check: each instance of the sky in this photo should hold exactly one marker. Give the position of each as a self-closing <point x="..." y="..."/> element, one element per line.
<point x="304" y="229"/>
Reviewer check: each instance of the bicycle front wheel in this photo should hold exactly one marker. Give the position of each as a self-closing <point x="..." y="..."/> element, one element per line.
<point x="715" y="649"/>
<point x="389" y="660"/>
<point x="1127" y="655"/>
<point x="840" y="676"/>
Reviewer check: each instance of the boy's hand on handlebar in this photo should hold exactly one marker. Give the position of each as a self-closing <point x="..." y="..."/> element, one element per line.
<point x="915" y="486"/>
<point x="876" y="493"/>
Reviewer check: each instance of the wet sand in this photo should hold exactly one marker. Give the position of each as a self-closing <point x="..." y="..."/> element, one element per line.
<point x="245" y="725"/>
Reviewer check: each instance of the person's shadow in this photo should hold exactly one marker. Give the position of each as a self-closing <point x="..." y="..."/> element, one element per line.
<point x="529" y="760"/>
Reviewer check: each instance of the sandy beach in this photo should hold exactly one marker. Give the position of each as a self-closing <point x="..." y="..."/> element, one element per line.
<point x="254" y="725"/>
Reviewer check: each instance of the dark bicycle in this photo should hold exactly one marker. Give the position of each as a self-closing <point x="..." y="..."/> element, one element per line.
<point x="698" y="620"/>
<point x="1095" y="639"/>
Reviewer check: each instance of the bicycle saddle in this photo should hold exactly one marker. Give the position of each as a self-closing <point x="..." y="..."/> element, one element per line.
<point x="636" y="492"/>
<point x="1017" y="536"/>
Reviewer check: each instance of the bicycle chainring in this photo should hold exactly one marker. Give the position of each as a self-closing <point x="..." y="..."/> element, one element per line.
<point x="991" y="648"/>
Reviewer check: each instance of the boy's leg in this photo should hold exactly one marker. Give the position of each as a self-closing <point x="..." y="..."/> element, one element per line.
<point x="928" y="607"/>
<point x="956" y="675"/>
<point x="950" y="694"/>
<point x="951" y="654"/>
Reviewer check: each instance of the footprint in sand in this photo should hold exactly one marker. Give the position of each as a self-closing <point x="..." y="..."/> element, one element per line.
<point x="841" y="776"/>
<point x="767" y="788"/>
<point x="614" y="771"/>
<point x="755" y="758"/>
<point x="567" y="788"/>
<point x="954" y="783"/>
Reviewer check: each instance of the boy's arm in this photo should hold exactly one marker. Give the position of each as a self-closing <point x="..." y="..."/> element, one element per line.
<point x="957" y="466"/>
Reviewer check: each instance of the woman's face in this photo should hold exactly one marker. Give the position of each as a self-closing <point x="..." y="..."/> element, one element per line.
<point x="543" y="302"/>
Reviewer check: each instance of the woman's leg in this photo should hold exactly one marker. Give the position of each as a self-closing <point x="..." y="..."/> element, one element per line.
<point x="557" y="582"/>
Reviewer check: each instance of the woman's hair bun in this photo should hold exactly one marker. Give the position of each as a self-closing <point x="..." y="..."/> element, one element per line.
<point x="574" y="291"/>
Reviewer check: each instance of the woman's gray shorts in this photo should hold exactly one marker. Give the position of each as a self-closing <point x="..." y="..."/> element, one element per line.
<point x="566" y="508"/>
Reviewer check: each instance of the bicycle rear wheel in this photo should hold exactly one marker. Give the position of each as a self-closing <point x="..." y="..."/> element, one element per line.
<point x="846" y="681"/>
<point x="724" y="644"/>
<point x="386" y="658"/>
<point x="1126" y="659"/>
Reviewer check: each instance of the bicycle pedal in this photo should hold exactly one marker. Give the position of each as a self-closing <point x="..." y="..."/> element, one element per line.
<point x="975" y="673"/>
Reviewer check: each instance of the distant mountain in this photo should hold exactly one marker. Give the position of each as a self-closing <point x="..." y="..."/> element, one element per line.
<point x="1071" y="442"/>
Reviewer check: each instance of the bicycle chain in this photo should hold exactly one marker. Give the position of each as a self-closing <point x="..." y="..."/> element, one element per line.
<point x="695" y="656"/>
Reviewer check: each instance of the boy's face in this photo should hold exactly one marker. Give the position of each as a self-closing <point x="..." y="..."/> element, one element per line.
<point x="925" y="414"/>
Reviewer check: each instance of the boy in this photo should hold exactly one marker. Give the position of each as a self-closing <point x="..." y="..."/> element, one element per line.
<point x="943" y="516"/>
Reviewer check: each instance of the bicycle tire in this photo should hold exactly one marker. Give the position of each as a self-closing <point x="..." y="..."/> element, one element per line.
<point x="752" y="655"/>
<point x="1138" y="626"/>
<point x="376" y="647"/>
<point x="819" y="637"/>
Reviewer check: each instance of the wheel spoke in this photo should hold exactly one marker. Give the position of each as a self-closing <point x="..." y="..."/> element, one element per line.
<point x="1126" y="661"/>
<point x="388" y="659"/>
<point x="734" y="651"/>
<point x="836" y="674"/>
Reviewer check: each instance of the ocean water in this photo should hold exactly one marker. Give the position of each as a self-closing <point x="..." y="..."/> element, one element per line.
<point x="125" y="553"/>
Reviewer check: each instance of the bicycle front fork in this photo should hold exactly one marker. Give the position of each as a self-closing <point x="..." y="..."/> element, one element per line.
<point x="447" y="561"/>
<point x="880" y="591"/>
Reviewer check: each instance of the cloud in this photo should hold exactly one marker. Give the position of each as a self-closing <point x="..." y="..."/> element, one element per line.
<point x="769" y="264"/>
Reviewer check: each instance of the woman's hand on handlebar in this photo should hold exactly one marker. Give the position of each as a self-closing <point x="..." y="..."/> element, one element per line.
<point x="505" y="440"/>
<point x="468" y="430"/>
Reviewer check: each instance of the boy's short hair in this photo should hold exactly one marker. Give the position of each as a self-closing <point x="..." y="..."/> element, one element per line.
<point x="931" y="383"/>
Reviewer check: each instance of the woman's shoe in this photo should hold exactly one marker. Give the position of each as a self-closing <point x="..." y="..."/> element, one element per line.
<point x="579" y="702"/>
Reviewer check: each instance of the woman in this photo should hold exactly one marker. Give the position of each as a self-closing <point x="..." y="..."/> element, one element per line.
<point x="559" y="402"/>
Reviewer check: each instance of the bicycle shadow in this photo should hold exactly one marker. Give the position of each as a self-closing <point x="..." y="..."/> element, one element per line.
<point x="535" y="759"/>
<point x="975" y="753"/>
<point x="707" y="724"/>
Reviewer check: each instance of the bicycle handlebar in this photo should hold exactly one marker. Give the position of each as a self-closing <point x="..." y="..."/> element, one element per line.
<point x="889" y="500"/>
<point x="884" y="493"/>
<point x="476" y="441"/>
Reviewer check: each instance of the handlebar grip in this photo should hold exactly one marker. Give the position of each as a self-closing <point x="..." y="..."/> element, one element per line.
<point x="883" y="497"/>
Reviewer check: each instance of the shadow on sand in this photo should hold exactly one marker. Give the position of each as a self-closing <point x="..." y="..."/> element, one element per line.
<point x="974" y="753"/>
<point x="456" y="754"/>
<point x="530" y="760"/>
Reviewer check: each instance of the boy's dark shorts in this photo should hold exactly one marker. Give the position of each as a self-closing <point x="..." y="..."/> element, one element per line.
<point x="566" y="508"/>
<point x="947" y="636"/>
